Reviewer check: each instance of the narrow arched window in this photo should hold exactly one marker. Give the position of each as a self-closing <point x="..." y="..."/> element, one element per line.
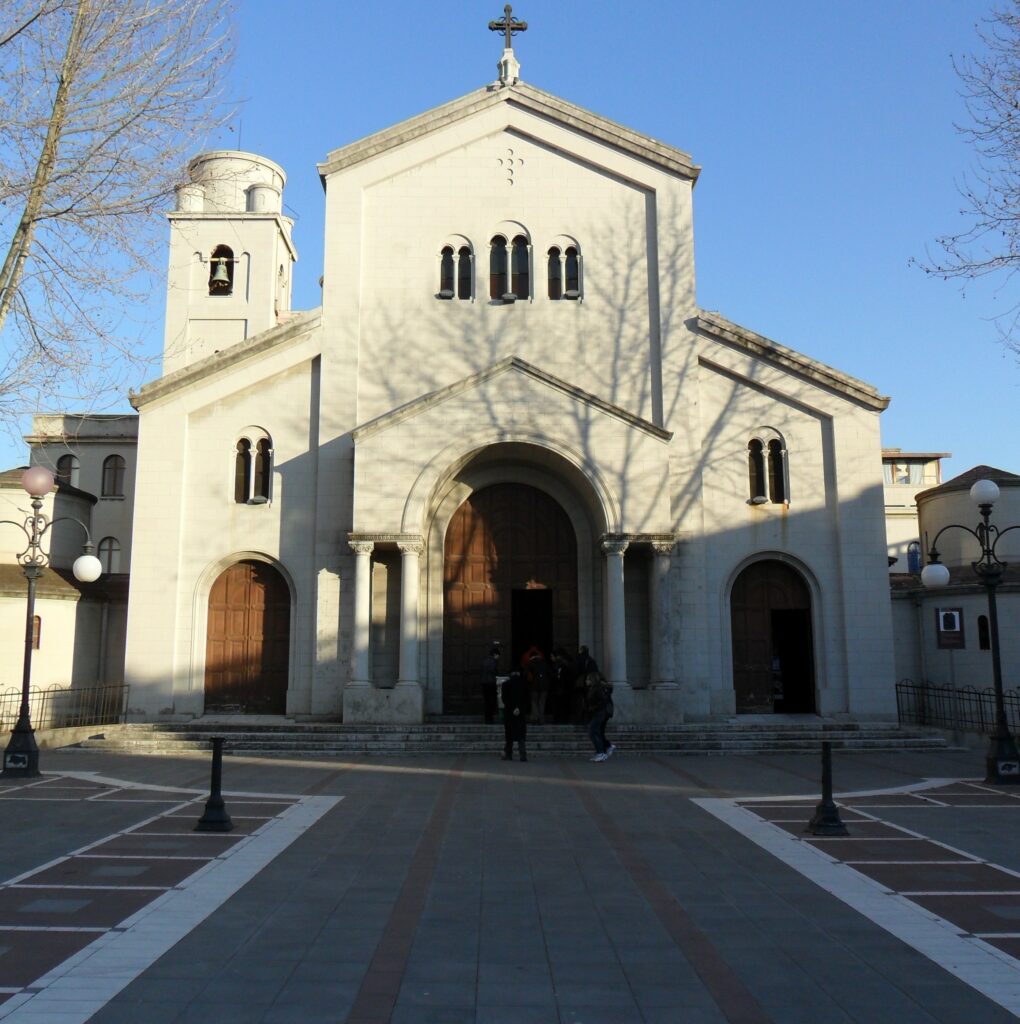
<point x="221" y="271"/>
<point x="497" y="268"/>
<point x="113" y="477"/>
<point x="465" y="273"/>
<point x="572" y="273"/>
<point x="67" y="470"/>
<point x="555" y="274"/>
<point x="446" y="273"/>
<point x="263" y="471"/>
<point x="36" y="632"/>
<point x="242" y="471"/>
<point x="914" y="556"/>
<point x="109" y="554"/>
<point x="756" y="470"/>
<point x="984" y="635"/>
<point x="520" y="270"/>
<point x="777" y="472"/>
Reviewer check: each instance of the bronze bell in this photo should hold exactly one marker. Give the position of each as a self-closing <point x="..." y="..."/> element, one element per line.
<point x="220" y="276"/>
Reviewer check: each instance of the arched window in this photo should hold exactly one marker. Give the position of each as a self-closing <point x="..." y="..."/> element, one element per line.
<point x="465" y="273"/>
<point x="768" y="473"/>
<point x="984" y="635"/>
<point x="113" y="477"/>
<point x="572" y="272"/>
<point x="221" y="271"/>
<point x="262" y="472"/>
<point x="555" y="274"/>
<point x="109" y="554"/>
<point x="756" y="470"/>
<point x="497" y="268"/>
<point x="520" y="269"/>
<point x="253" y="467"/>
<point x="777" y="472"/>
<point x="446" y="272"/>
<point x="914" y="556"/>
<point x="36" y="632"/>
<point x="67" y="470"/>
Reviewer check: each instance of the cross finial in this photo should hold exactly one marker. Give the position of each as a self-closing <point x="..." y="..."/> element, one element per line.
<point x="508" y="26"/>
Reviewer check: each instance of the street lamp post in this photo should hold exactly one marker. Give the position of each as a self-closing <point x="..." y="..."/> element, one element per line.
<point x="1002" y="761"/>
<point x="21" y="758"/>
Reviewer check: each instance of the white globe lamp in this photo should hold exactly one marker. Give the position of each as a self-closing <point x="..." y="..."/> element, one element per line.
<point x="984" y="492"/>
<point x="37" y="481"/>
<point x="87" y="568"/>
<point x="935" y="575"/>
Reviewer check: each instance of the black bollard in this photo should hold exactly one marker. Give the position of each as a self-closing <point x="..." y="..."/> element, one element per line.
<point x="826" y="821"/>
<point x="215" y="818"/>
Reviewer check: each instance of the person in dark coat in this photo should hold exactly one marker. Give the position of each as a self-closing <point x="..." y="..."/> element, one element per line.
<point x="516" y="706"/>
<point x="584" y="666"/>
<point x="490" y="669"/>
<point x="598" y="701"/>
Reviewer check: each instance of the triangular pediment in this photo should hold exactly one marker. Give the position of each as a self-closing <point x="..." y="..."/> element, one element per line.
<point x="512" y="364"/>
<point x="525" y="97"/>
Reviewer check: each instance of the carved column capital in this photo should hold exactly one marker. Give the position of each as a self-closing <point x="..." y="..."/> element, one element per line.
<point x="663" y="546"/>
<point x="614" y="545"/>
<point x="361" y="547"/>
<point x="411" y="545"/>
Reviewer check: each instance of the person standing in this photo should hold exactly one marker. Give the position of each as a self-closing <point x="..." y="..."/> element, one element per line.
<point x="516" y="705"/>
<point x="598" y="700"/>
<point x="490" y="670"/>
<point x="584" y="666"/>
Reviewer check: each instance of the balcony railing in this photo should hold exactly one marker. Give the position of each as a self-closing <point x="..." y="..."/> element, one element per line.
<point x="962" y="709"/>
<point x="60" y="707"/>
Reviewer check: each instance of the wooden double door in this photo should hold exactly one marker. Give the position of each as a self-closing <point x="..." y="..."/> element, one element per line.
<point x="773" y="661"/>
<point x="248" y="641"/>
<point x="509" y="574"/>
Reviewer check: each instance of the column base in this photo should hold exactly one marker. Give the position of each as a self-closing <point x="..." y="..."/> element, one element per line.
<point x="648" y="707"/>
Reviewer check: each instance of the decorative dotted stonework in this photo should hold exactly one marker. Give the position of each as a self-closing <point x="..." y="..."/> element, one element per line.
<point x="510" y="165"/>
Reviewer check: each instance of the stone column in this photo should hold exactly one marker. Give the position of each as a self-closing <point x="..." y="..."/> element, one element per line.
<point x="616" y="631"/>
<point x="361" y="672"/>
<point x="659" y="604"/>
<point x="410" y="550"/>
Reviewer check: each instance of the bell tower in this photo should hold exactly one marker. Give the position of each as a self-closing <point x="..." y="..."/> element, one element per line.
<point x="231" y="256"/>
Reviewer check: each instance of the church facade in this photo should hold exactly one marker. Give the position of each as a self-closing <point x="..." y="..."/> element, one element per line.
<point x="508" y="420"/>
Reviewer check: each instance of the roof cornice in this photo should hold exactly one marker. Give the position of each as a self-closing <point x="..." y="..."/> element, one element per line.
<point x="256" y="345"/>
<point x="717" y="326"/>
<point x="529" y="98"/>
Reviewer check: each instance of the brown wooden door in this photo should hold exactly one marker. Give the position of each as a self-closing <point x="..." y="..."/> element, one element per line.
<point x="504" y="538"/>
<point x="248" y="641"/>
<point x="770" y="609"/>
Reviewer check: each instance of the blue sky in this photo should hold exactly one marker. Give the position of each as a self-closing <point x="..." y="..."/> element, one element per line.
<point x="824" y="130"/>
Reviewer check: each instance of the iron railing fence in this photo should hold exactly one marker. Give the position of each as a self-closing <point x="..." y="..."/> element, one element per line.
<point x="962" y="709"/>
<point x="60" y="707"/>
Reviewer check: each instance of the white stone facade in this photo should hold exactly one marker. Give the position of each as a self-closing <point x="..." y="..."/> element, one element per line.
<point x="390" y="406"/>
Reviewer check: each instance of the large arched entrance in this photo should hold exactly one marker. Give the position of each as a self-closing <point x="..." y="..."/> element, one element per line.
<point x="773" y="661"/>
<point x="510" y="574"/>
<point x="248" y="641"/>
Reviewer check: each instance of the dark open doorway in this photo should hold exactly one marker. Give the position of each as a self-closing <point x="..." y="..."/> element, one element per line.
<point x="531" y="623"/>
<point x="793" y="673"/>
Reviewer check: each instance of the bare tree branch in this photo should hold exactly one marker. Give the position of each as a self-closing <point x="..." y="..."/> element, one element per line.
<point x="102" y="102"/>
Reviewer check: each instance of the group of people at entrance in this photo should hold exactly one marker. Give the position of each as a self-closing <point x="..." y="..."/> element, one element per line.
<point x="565" y="689"/>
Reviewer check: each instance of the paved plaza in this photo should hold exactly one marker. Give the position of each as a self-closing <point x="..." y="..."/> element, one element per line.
<point x="466" y="890"/>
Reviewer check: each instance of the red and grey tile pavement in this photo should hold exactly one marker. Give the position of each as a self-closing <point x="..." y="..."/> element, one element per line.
<point x="473" y="891"/>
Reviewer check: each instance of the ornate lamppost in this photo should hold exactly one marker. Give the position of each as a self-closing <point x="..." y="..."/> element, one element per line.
<point x="1002" y="761"/>
<point x="21" y="758"/>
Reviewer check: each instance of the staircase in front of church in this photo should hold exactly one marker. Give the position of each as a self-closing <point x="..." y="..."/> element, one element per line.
<point x="283" y="738"/>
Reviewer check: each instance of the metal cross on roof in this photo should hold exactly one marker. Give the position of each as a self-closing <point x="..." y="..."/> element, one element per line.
<point x="508" y="26"/>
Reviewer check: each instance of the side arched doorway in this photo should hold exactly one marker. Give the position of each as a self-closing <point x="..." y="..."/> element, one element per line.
<point x="773" y="660"/>
<point x="509" y="574"/>
<point x="248" y="641"/>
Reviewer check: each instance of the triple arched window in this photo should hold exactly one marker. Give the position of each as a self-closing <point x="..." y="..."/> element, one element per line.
<point x="253" y="467"/>
<point x="767" y="469"/>
<point x="511" y="267"/>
